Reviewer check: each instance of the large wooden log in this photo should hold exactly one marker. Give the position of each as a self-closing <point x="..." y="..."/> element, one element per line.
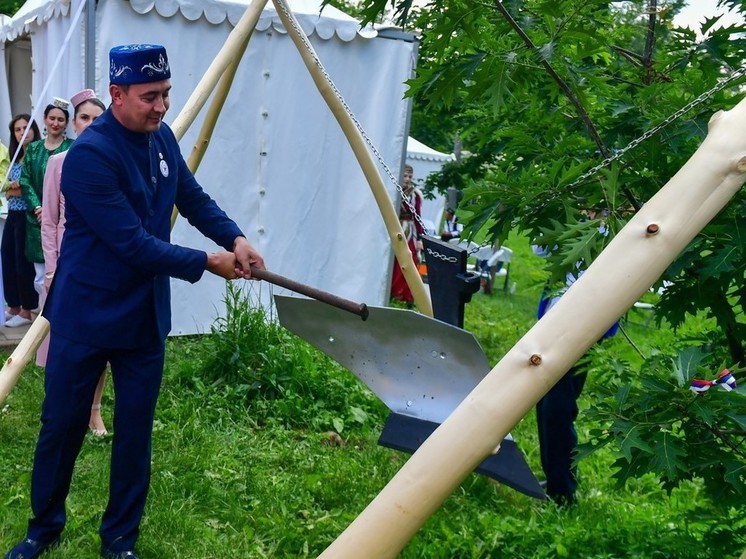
<point x="245" y="27"/>
<point x="627" y="268"/>
<point x="21" y="355"/>
<point x="364" y="158"/>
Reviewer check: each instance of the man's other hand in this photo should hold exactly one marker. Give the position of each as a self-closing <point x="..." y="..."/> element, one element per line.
<point x="246" y="257"/>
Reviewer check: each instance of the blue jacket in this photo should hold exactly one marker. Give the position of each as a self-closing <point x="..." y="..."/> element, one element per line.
<point x="111" y="288"/>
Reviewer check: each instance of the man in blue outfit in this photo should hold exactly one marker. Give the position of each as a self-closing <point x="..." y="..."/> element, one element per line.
<point x="557" y="411"/>
<point x="110" y="298"/>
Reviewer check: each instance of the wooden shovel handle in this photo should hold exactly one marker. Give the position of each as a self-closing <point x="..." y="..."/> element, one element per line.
<point x="360" y="309"/>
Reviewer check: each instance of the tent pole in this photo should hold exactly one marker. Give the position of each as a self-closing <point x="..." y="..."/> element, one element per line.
<point x="628" y="266"/>
<point x="364" y="157"/>
<point x="90" y="44"/>
<point x="237" y="41"/>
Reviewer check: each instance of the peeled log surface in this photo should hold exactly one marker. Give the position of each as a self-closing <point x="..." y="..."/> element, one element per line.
<point x="364" y="157"/>
<point x="21" y="355"/>
<point x="626" y="269"/>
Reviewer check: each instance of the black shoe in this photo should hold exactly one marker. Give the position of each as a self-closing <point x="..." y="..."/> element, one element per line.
<point x="563" y="499"/>
<point x="31" y="549"/>
<point x="109" y="554"/>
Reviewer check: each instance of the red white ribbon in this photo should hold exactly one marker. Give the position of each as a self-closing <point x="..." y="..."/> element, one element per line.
<point x="725" y="379"/>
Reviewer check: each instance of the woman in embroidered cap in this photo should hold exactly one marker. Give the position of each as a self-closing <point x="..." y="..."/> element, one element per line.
<point x="86" y="108"/>
<point x="38" y="153"/>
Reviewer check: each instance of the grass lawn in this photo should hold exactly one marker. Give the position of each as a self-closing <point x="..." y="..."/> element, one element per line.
<point x="244" y="465"/>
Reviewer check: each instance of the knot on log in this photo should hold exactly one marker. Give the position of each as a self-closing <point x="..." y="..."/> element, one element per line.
<point x="652" y="229"/>
<point x="741" y="165"/>
<point x="535" y="360"/>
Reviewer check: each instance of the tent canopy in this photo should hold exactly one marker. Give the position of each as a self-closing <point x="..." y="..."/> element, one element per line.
<point x="308" y="12"/>
<point x="277" y="161"/>
<point x="417" y="151"/>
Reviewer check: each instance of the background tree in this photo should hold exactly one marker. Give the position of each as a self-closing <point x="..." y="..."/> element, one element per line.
<point x="10" y="7"/>
<point x="542" y="91"/>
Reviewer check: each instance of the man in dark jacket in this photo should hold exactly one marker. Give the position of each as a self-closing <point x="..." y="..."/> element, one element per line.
<point x="110" y="299"/>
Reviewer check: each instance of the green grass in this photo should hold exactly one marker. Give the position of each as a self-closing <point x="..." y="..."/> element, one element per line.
<point x="244" y="466"/>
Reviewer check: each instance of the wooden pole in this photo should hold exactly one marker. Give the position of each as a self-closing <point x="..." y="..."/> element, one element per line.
<point x="625" y="270"/>
<point x="360" y="309"/>
<point x="21" y="355"/>
<point x="364" y="158"/>
<point x="230" y="54"/>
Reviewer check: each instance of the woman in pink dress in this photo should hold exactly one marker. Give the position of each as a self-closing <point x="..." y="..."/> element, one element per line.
<point x="87" y="109"/>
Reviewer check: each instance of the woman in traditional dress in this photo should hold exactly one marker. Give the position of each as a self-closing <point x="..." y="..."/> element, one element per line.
<point x="18" y="272"/>
<point x="86" y="108"/>
<point x="409" y="217"/>
<point x="38" y="153"/>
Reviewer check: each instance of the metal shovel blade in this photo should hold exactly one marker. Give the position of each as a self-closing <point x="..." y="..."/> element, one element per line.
<point x="419" y="367"/>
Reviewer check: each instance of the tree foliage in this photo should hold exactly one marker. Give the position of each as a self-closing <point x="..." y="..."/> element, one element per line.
<point x="659" y="425"/>
<point x="10" y="7"/>
<point x="540" y="91"/>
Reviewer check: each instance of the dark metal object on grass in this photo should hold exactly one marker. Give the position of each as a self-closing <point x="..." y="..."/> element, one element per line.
<point x="451" y="286"/>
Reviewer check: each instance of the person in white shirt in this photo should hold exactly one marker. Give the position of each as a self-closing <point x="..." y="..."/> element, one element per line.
<point x="451" y="227"/>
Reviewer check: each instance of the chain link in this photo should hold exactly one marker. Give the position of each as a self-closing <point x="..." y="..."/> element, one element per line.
<point x="348" y="110"/>
<point x="436" y="254"/>
<point x="650" y="133"/>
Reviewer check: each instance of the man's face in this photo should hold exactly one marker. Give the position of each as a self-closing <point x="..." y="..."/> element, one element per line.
<point x="141" y="107"/>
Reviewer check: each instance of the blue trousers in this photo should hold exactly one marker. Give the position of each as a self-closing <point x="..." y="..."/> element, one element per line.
<point x="555" y="415"/>
<point x="72" y="371"/>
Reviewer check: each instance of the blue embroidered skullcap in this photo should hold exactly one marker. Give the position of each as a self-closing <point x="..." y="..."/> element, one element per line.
<point x="131" y="64"/>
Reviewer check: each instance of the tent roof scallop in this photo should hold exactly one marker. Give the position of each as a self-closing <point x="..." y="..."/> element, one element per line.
<point x="325" y="23"/>
<point x="419" y="151"/>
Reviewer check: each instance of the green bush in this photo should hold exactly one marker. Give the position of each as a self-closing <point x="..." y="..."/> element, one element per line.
<point x="249" y="358"/>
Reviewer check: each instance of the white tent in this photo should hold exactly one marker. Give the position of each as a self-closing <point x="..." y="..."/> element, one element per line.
<point x="278" y="161"/>
<point x="425" y="161"/>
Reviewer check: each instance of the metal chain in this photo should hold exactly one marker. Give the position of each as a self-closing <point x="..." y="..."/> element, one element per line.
<point x="648" y="134"/>
<point x="348" y="110"/>
<point x="436" y="254"/>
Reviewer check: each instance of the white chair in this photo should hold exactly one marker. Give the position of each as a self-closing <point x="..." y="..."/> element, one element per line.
<point x="497" y="263"/>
